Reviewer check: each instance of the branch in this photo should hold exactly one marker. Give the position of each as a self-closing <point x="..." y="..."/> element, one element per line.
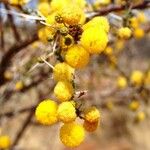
<point x="6" y="59"/>
<point x="11" y="20"/>
<point x="104" y="11"/>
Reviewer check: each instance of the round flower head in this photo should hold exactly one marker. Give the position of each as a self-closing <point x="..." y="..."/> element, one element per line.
<point x="19" y="85"/>
<point x="108" y="51"/>
<point x="71" y="14"/>
<point x="121" y="82"/>
<point x="66" y="112"/>
<point x="72" y="134"/>
<point x="137" y="77"/>
<point x="100" y="22"/>
<point x="138" y="33"/>
<point x="77" y="56"/>
<point x="134" y="23"/>
<point x="62" y="71"/>
<point x="92" y="114"/>
<point x="94" y="40"/>
<point x="63" y="91"/>
<point x="90" y="127"/>
<point x="44" y="8"/>
<point x="141" y="17"/>
<point x="5" y="142"/>
<point x="124" y="33"/>
<point x="46" y="112"/>
<point x="134" y="105"/>
<point x="140" y="116"/>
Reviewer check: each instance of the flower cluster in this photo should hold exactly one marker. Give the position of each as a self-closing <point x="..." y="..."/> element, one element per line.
<point x="76" y="41"/>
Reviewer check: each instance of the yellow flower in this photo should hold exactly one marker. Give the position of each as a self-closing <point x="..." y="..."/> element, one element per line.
<point x="71" y="14"/>
<point x="140" y="116"/>
<point x="137" y="77"/>
<point x="77" y="56"/>
<point x="94" y="40"/>
<point x="134" y="105"/>
<point x="44" y="8"/>
<point x="141" y="17"/>
<point x="100" y="22"/>
<point x="122" y="82"/>
<point x="92" y="114"/>
<point x="62" y="71"/>
<point x="119" y="45"/>
<point x="138" y="33"/>
<point x="72" y="134"/>
<point x="5" y="142"/>
<point x="134" y="23"/>
<point x="19" y="85"/>
<point x="63" y="91"/>
<point x="90" y="127"/>
<point x="46" y="112"/>
<point x="124" y="33"/>
<point x="66" y="112"/>
<point x="50" y="19"/>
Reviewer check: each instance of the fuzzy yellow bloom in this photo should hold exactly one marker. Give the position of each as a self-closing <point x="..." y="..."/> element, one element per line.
<point x="100" y="22"/>
<point x="134" y="105"/>
<point x="134" y="23"/>
<point x="92" y="114"/>
<point x="66" y="112"/>
<point x="77" y="56"/>
<point x="90" y="127"/>
<point x="63" y="91"/>
<point x="138" y="33"/>
<point x="62" y="71"/>
<point x="72" y="134"/>
<point x="44" y="8"/>
<point x="137" y="77"/>
<point x="5" y="142"/>
<point x="140" y="116"/>
<point x="94" y="40"/>
<point x="46" y="112"/>
<point x="71" y="14"/>
<point x="19" y="85"/>
<point x="141" y="17"/>
<point x="124" y="33"/>
<point x="122" y="82"/>
<point x="50" y="19"/>
<point x="91" y="40"/>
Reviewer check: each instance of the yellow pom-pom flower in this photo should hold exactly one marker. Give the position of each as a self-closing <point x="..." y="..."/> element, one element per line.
<point x="124" y="33"/>
<point x="77" y="56"/>
<point x="94" y="40"/>
<point x="19" y="85"/>
<point x="122" y="82"/>
<point x="134" y="23"/>
<point x="63" y="91"/>
<point x="44" y="8"/>
<point x="66" y="112"/>
<point x="5" y="142"/>
<point x="100" y="22"/>
<point x="71" y="14"/>
<point x="137" y="77"/>
<point x="141" y="17"/>
<point x="140" y="116"/>
<point x="72" y="134"/>
<point x="62" y="71"/>
<point x="134" y="105"/>
<point x="46" y="112"/>
<point x="90" y="127"/>
<point x="92" y="114"/>
<point x="108" y="51"/>
<point x="8" y="75"/>
<point x="138" y="33"/>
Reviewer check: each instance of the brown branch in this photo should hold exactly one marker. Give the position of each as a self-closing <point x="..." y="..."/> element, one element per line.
<point x="6" y="59"/>
<point x="13" y="26"/>
<point x="1" y="33"/>
<point x="111" y="8"/>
